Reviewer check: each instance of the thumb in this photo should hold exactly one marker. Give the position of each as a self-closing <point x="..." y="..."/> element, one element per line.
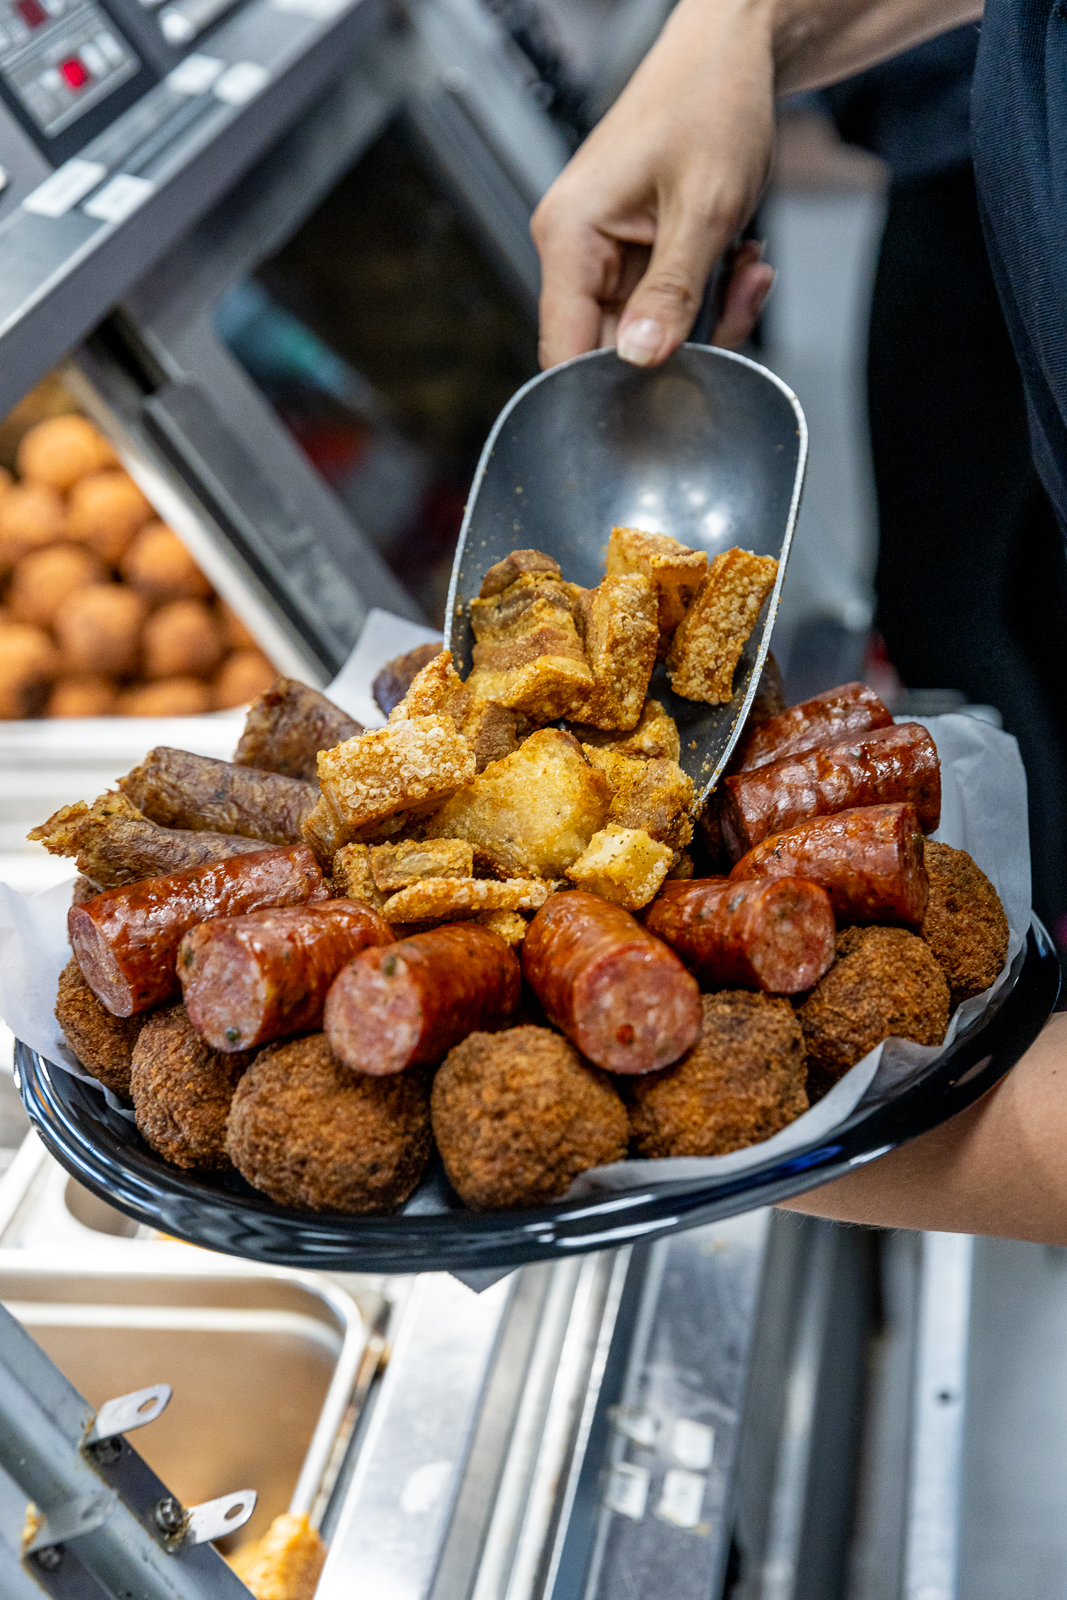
<point x="663" y="307"/>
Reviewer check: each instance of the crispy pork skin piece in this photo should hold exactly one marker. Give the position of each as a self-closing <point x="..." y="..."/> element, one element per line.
<point x="518" y="1115"/>
<point x="884" y="766"/>
<point x="528" y="653"/>
<point x="126" y="940"/>
<point x="351" y="876"/>
<point x="182" y="1089"/>
<point x="285" y="1564"/>
<point x="655" y="795"/>
<point x="822" y="720"/>
<point x="624" y="865"/>
<point x="884" y="983"/>
<point x="249" y="980"/>
<point x="444" y="899"/>
<point x="396" y="677"/>
<point x="438" y="690"/>
<point x="617" y="624"/>
<point x="773" y="934"/>
<point x="708" y="641"/>
<point x="114" y="844"/>
<point x="396" y="866"/>
<point x="287" y="727"/>
<point x="742" y="1081"/>
<point x="656" y="734"/>
<point x="102" y="1043"/>
<point x="311" y="1134"/>
<point x="180" y="790"/>
<point x="964" y="925"/>
<point x="675" y="572"/>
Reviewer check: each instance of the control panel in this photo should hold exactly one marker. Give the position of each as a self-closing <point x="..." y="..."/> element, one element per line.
<point x="59" y="58"/>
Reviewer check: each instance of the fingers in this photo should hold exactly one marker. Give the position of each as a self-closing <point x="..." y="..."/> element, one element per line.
<point x="661" y="310"/>
<point x="746" y="292"/>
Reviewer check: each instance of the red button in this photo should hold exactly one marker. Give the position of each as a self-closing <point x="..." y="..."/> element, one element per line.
<point x="74" y="73"/>
<point x="32" y="12"/>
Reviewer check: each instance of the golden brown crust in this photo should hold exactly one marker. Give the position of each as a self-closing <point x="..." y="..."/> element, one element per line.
<point x="528" y="655"/>
<point x="655" y="795"/>
<point x="518" y="1115"/>
<point x="708" y="642"/>
<point x="884" y="983"/>
<point x="656" y="734"/>
<point x="623" y="865"/>
<point x="676" y="571"/>
<point x="444" y="899"/>
<point x="386" y="776"/>
<point x="742" y="1081"/>
<point x="313" y="1135"/>
<point x="396" y="677"/>
<point x="964" y="925"/>
<point x="102" y="1043"/>
<point x="617" y="623"/>
<point x="181" y="1090"/>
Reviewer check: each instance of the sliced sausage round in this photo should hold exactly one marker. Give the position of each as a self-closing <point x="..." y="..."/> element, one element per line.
<point x="834" y="714"/>
<point x="774" y="934"/>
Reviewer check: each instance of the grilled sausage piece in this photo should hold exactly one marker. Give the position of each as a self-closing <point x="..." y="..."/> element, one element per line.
<point x="870" y="862"/>
<point x="247" y="980"/>
<point x="773" y="934"/>
<point x="885" y="765"/>
<point x="126" y="940"/>
<point x="287" y="727"/>
<point x="409" y="1004"/>
<point x="822" y="720"/>
<point x="181" y="790"/>
<point x="617" y="992"/>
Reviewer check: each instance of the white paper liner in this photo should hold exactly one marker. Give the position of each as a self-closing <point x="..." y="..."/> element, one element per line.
<point x="983" y="812"/>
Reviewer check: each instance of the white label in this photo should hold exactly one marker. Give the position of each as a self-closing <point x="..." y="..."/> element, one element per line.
<point x="175" y="27"/>
<point x="119" y="198"/>
<point x="317" y="10"/>
<point x="640" y="1426"/>
<point x="682" y="1498"/>
<point x="241" y="83"/>
<point x="692" y="1443"/>
<point x="627" y="1491"/>
<point x="68" y="184"/>
<point x="195" y="75"/>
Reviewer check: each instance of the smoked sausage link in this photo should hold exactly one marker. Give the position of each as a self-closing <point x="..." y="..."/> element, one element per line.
<point x="774" y="934"/>
<point x="407" y="1005"/>
<point x="886" y="765"/>
<point x="822" y="720"/>
<point x="617" y="992"/>
<point x="870" y="862"/>
<point x="247" y="980"/>
<point x="126" y="940"/>
<point x="180" y="790"/>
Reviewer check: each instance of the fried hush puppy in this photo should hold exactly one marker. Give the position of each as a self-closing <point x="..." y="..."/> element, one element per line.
<point x="311" y="1134"/>
<point x="182" y="1089"/>
<point x="964" y="925"/>
<point x="102" y="1043"/>
<point x="743" y="1080"/>
<point x="518" y="1115"/>
<point x="884" y="983"/>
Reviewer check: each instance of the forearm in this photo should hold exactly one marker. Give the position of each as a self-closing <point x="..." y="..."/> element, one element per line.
<point x="999" y="1168"/>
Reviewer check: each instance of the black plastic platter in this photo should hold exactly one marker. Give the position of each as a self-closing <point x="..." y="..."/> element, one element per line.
<point x="104" y="1151"/>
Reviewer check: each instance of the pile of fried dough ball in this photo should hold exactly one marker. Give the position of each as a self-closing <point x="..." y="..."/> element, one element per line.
<point x="102" y="609"/>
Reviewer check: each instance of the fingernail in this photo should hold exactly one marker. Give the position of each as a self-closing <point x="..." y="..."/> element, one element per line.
<point x="640" y="341"/>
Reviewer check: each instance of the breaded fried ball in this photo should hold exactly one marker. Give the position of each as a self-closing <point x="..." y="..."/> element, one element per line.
<point x="98" y="629"/>
<point x="43" y="579"/>
<point x="182" y="1089"/>
<point x="235" y="634"/>
<point x="102" y="1043"/>
<point x="62" y="450"/>
<point x="518" y="1115"/>
<point x="87" y="696"/>
<point x="28" y="663"/>
<point x="105" y="511"/>
<point x="243" y="676"/>
<point x="181" y="639"/>
<point x="311" y="1134"/>
<point x="744" y="1079"/>
<point x="31" y="516"/>
<point x="964" y="925"/>
<point x="159" y="566"/>
<point x="172" y="697"/>
<point x="885" y="982"/>
<point x="6" y="480"/>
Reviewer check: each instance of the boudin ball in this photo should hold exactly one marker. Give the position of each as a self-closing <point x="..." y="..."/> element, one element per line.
<point x="98" y="629"/>
<point x="31" y="516"/>
<point x="28" y="663"/>
<point x="6" y="480"/>
<point x="88" y="695"/>
<point x="159" y="566"/>
<point x="172" y="697"/>
<point x="236" y="635"/>
<point x="62" y="450"/>
<point x="243" y="676"/>
<point x="181" y="639"/>
<point x="42" y="580"/>
<point x="105" y="510"/>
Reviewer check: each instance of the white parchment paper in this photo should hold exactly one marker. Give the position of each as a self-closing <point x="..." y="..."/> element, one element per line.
<point x="983" y="812"/>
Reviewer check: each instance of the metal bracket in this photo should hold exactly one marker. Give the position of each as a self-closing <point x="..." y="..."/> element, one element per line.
<point x="129" y="1411"/>
<point x="72" y="1520"/>
<point x="215" y="1518"/>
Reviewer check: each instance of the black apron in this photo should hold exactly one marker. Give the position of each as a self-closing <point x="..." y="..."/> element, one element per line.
<point x="1019" y="139"/>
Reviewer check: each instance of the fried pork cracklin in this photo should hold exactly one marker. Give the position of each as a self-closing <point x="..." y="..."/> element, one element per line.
<point x="311" y="1134"/>
<point x="181" y="1090"/>
<point x="885" y="982"/>
<point x="102" y="1043"/>
<point x="742" y="1081"/>
<point x="964" y="925"/>
<point x="518" y="1115"/>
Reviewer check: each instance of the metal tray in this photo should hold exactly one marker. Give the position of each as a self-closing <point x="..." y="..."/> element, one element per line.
<point x="104" y="1151"/>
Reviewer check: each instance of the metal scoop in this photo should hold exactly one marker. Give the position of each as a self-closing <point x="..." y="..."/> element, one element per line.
<point x="710" y="448"/>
